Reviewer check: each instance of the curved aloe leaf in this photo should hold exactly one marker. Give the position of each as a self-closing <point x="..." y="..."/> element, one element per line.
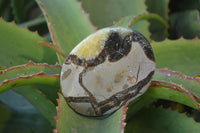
<point x="15" y="51"/>
<point x="192" y="84"/>
<point x="171" y="86"/>
<point x="141" y="26"/>
<point x="172" y="92"/>
<point x="161" y="120"/>
<point x="185" y="24"/>
<point x="68" y="121"/>
<point x="30" y="73"/>
<point x="67" y="22"/>
<point x="18" y="46"/>
<point x="104" y="12"/>
<point x="35" y="22"/>
<point x="168" y="88"/>
<point x="39" y="101"/>
<point x="160" y="7"/>
<point x="137" y="23"/>
<point x="178" y="55"/>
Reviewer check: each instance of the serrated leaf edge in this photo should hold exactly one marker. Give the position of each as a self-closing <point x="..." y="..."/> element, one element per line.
<point x="87" y="14"/>
<point x="50" y="27"/>
<point x="30" y="63"/>
<point x="58" y="113"/>
<point x="182" y="76"/>
<point x="123" y="123"/>
<point x="40" y="74"/>
<point x="177" y="87"/>
<point x="25" y="27"/>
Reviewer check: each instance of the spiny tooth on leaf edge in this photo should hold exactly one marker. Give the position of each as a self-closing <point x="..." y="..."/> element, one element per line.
<point x="123" y="123"/>
<point x="13" y="22"/>
<point x="30" y="63"/>
<point x="88" y="15"/>
<point x="58" y="114"/>
<point x="175" y="87"/>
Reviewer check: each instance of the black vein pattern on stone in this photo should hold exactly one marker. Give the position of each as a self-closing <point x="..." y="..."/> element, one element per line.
<point x="115" y="48"/>
<point x="116" y="99"/>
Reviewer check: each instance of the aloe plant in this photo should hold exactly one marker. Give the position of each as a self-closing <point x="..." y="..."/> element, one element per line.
<point x="30" y="65"/>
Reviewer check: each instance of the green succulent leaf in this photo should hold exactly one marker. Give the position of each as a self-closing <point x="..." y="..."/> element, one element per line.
<point x="68" y="121"/>
<point x="34" y="23"/>
<point x="141" y="26"/>
<point x="178" y="55"/>
<point x="30" y="73"/>
<point x="137" y="23"/>
<point x="104" y="12"/>
<point x="39" y="101"/>
<point x="181" y="88"/>
<point x="18" y="46"/>
<point x="160" y="7"/>
<point x="68" y="25"/>
<point x="185" y="24"/>
<point x="67" y="22"/>
<point x="50" y="91"/>
<point x="172" y="86"/>
<point x="161" y="120"/>
<point x="192" y="84"/>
